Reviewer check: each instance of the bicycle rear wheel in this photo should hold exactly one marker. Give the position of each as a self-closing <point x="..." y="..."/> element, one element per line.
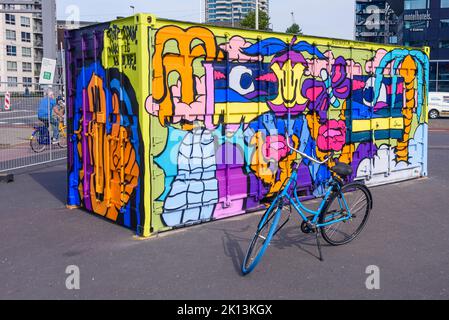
<point x="263" y="236"/>
<point x="359" y="201"/>
<point x="35" y="142"/>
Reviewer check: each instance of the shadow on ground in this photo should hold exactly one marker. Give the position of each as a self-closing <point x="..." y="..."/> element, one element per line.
<point x="55" y="182"/>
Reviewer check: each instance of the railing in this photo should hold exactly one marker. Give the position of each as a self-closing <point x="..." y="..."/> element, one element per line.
<point x="19" y="118"/>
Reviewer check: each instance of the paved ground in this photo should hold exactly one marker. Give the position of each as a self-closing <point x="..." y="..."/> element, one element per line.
<point x="407" y="237"/>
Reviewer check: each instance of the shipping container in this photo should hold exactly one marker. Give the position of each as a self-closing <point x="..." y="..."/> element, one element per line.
<point x="174" y="123"/>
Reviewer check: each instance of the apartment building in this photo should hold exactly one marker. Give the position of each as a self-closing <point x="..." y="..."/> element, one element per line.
<point x="27" y="34"/>
<point x="231" y="12"/>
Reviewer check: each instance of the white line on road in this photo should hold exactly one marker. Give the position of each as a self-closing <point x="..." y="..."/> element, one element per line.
<point x="18" y="118"/>
<point x="18" y="124"/>
<point x="16" y="111"/>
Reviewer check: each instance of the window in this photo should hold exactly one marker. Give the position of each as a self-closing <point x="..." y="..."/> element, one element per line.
<point x="27" y="81"/>
<point x="444" y="23"/>
<point x="26" y="37"/>
<point x="444" y="3"/>
<point x="11" y="51"/>
<point x="12" y="81"/>
<point x="11" y="66"/>
<point x="443" y="71"/>
<point x="416" y="25"/>
<point x="443" y="86"/>
<point x="10" y="19"/>
<point x="415" y="4"/>
<point x="444" y="44"/>
<point x="26" y="52"/>
<point x="10" y="35"/>
<point x="433" y="70"/>
<point x="433" y="86"/>
<point x="25" y="22"/>
<point x="27" y="67"/>
<point x="416" y="44"/>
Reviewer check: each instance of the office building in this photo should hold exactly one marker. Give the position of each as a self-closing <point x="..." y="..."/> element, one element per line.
<point x="413" y="23"/>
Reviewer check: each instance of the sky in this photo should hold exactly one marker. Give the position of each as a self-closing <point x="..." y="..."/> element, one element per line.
<point x="325" y="18"/>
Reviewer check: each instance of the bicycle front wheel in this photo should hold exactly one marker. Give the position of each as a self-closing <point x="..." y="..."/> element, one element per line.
<point x="263" y="236"/>
<point x="359" y="202"/>
<point x="35" y="142"/>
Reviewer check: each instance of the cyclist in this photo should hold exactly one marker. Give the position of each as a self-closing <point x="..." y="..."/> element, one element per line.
<point x="48" y="103"/>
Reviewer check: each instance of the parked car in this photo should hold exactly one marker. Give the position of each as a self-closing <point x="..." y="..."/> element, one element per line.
<point x="438" y="104"/>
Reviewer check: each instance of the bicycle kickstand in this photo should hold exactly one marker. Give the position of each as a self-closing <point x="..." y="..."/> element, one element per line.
<point x="318" y="243"/>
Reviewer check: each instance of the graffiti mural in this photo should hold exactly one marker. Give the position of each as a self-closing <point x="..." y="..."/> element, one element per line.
<point x="176" y="124"/>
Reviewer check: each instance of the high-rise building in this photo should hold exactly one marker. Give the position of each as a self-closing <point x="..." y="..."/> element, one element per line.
<point x="27" y="34"/>
<point x="414" y="23"/>
<point x="231" y="12"/>
<point x="379" y="21"/>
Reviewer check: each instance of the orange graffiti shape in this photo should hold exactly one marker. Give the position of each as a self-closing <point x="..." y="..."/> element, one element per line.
<point x="116" y="171"/>
<point x="191" y="44"/>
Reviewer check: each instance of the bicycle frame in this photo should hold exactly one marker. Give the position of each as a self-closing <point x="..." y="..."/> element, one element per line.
<point x="302" y="210"/>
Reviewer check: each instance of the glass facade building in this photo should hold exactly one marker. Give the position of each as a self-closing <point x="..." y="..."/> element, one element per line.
<point x="415" y="23"/>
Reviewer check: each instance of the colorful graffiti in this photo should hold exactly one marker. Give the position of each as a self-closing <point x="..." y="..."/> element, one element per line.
<point x="197" y="131"/>
<point x="106" y="163"/>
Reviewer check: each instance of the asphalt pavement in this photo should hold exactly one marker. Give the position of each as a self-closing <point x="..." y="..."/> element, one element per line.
<point x="407" y="238"/>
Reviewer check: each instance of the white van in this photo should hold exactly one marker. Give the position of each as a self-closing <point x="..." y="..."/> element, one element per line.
<point x="438" y="104"/>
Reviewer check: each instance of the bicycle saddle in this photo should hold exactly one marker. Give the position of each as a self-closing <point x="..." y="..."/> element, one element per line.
<point x="343" y="169"/>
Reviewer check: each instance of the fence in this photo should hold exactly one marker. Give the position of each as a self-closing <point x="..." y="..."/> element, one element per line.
<point x="19" y="122"/>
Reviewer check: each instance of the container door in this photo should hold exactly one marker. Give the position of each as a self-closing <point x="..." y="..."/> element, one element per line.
<point x="407" y="157"/>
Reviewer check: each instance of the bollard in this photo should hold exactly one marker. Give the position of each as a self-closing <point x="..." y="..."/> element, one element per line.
<point x="7" y="102"/>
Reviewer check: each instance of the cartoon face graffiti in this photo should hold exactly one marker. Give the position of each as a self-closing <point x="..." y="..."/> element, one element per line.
<point x="188" y="45"/>
<point x="288" y="66"/>
<point x="289" y="69"/>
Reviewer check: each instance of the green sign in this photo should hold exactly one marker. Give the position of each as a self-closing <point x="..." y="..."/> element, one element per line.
<point x="47" y="75"/>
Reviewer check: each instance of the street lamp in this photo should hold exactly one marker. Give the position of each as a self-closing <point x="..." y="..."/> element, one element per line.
<point x="257" y="14"/>
<point x="133" y="8"/>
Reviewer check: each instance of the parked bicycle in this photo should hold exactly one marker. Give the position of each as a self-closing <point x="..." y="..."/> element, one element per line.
<point x="340" y="218"/>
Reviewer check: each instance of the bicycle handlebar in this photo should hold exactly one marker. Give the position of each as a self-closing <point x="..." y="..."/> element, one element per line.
<point x="305" y="155"/>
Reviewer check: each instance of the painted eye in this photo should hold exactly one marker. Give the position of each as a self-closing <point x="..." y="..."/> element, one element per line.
<point x="241" y="80"/>
<point x="368" y="92"/>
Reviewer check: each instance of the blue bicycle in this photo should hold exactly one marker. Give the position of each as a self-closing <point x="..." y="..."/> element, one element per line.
<point x="340" y="218"/>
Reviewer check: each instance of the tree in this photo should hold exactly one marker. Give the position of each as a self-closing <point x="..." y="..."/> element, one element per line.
<point x="250" y="20"/>
<point x="294" y="29"/>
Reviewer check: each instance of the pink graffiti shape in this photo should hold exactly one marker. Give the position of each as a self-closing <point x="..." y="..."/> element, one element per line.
<point x="270" y="77"/>
<point x="219" y="75"/>
<point x="193" y="111"/>
<point x="275" y="148"/>
<point x="234" y="49"/>
<point x="332" y="136"/>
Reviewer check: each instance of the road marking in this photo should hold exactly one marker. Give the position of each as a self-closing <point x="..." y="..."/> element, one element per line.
<point x="16" y="111"/>
<point x="18" y="124"/>
<point x="439" y="130"/>
<point x="18" y="118"/>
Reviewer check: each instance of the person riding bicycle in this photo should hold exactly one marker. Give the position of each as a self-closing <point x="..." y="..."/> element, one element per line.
<point x="46" y="105"/>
